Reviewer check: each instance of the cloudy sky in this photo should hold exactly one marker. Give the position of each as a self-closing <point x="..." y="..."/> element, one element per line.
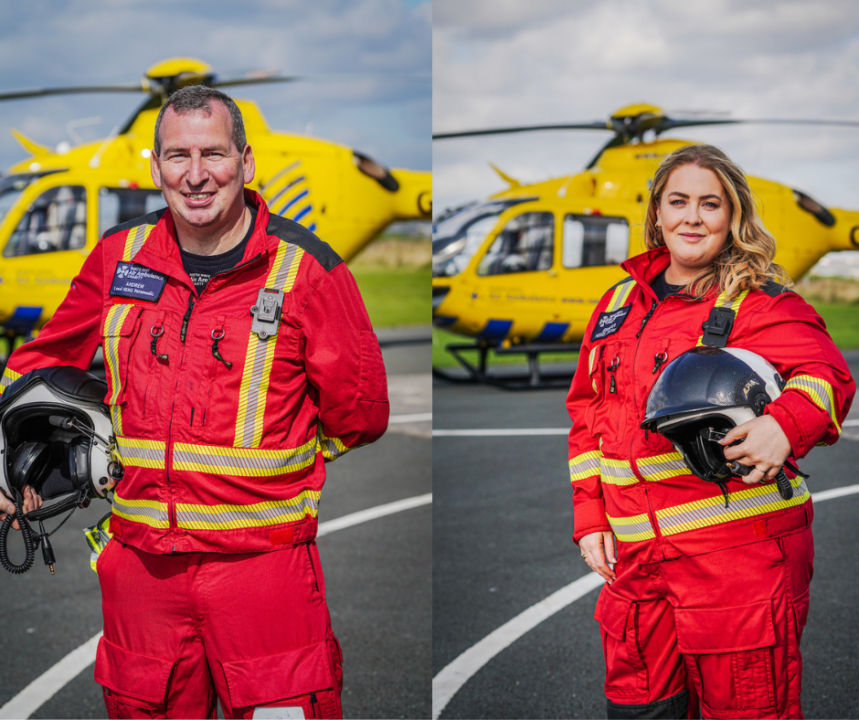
<point x="54" y="43"/>
<point x="509" y="62"/>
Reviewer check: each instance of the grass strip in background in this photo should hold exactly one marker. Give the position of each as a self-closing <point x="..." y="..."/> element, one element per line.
<point x="842" y="322"/>
<point x="396" y="297"/>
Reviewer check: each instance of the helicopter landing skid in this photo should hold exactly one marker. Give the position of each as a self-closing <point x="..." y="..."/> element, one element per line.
<point x="535" y="379"/>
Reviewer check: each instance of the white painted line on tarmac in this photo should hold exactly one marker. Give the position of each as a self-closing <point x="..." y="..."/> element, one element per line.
<point x="850" y="423"/>
<point x="455" y="675"/>
<point x="372" y="513"/>
<point x="503" y="432"/>
<point x="448" y="682"/>
<point x="415" y="417"/>
<point x="44" y="687"/>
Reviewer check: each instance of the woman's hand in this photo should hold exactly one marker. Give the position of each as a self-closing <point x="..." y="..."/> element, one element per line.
<point x="598" y="551"/>
<point x="32" y="501"/>
<point x="765" y="448"/>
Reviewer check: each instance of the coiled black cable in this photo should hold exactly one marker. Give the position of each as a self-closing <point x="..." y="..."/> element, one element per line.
<point x="29" y="542"/>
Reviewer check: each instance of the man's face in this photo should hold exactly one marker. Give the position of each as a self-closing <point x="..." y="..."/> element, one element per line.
<point x="200" y="170"/>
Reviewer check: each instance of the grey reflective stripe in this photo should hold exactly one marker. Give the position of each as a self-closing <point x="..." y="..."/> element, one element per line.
<point x="742" y="504"/>
<point x="612" y="473"/>
<point x="330" y="447"/>
<point x="818" y="390"/>
<point x="662" y="469"/>
<point x="632" y="529"/>
<point x="273" y="514"/>
<point x="138" y="453"/>
<point x="285" y="267"/>
<point x="283" y="462"/>
<point x="137" y="240"/>
<point x="585" y="468"/>
<point x="6" y="381"/>
<point x="160" y="515"/>
<point x="254" y="396"/>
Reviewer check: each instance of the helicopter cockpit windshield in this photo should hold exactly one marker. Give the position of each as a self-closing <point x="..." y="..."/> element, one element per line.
<point x="458" y="235"/>
<point x="12" y="186"/>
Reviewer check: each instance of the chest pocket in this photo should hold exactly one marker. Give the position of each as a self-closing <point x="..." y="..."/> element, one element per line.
<point x="118" y="333"/>
<point x="605" y="414"/>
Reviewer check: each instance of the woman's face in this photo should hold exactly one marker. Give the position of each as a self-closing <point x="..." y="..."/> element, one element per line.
<point x="695" y="215"/>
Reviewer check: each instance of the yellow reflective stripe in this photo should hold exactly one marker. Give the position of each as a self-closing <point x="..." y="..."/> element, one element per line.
<point x="252" y="392"/>
<point x="148" y="512"/>
<point x="232" y="517"/>
<point x="134" y="241"/>
<point x="9" y="376"/>
<point x="742" y="504"/>
<point x="260" y="354"/>
<point x="661" y="467"/>
<point x="110" y="345"/>
<point x="620" y="295"/>
<point x="331" y="447"/>
<point x="819" y="391"/>
<point x="632" y="529"/>
<point x="242" y="462"/>
<point x="585" y="465"/>
<point x="135" y="452"/>
<point x="723" y="302"/>
<point x="616" y="472"/>
<point x="285" y="267"/>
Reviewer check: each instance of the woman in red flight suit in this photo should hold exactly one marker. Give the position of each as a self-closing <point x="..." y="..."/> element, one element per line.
<point x="706" y="595"/>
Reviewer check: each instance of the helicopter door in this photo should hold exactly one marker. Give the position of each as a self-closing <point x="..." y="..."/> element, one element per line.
<point x="593" y="247"/>
<point x="42" y="255"/>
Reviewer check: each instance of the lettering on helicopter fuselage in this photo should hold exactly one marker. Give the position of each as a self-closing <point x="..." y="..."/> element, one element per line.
<point x="609" y="323"/>
<point x="138" y="282"/>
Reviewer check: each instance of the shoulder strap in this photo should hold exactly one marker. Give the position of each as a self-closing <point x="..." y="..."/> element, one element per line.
<point x="718" y="326"/>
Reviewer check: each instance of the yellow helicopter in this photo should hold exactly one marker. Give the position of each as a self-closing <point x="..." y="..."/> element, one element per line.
<point x="523" y="269"/>
<point x="55" y="205"/>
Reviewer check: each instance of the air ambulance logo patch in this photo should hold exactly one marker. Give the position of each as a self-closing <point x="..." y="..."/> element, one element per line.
<point x="137" y="282"/>
<point x="609" y="323"/>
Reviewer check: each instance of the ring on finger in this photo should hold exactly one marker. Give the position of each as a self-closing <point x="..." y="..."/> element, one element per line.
<point x="584" y="557"/>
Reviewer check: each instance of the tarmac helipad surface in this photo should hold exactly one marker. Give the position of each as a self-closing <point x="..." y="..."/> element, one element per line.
<point x="502" y="524"/>
<point x="377" y="574"/>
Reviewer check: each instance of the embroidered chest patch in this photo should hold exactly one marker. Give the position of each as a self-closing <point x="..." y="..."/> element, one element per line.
<point x="609" y="323"/>
<point x="138" y="282"/>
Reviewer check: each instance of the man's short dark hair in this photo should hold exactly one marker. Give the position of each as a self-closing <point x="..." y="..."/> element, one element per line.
<point x="199" y="97"/>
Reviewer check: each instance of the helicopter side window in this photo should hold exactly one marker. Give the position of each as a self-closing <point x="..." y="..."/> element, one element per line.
<point x="118" y="205"/>
<point x="55" y="221"/>
<point x="593" y="240"/>
<point x="525" y="244"/>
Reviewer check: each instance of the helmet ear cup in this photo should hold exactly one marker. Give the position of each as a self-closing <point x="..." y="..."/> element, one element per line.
<point x="29" y="465"/>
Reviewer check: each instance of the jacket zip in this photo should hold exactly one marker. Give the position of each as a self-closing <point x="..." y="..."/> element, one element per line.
<point x="651" y="513"/>
<point x="171" y="510"/>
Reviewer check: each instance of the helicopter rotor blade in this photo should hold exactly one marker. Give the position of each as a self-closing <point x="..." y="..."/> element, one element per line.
<point x="40" y="92"/>
<point x="669" y="124"/>
<point x="262" y="78"/>
<point x="523" y="128"/>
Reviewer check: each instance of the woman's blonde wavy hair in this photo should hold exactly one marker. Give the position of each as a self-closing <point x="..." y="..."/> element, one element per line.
<point x="746" y="261"/>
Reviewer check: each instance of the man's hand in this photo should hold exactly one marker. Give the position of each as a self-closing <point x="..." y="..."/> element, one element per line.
<point x="765" y="448"/>
<point x="32" y="501"/>
<point x="598" y="551"/>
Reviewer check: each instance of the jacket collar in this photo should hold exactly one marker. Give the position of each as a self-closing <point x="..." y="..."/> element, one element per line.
<point x="645" y="267"/>
<point x="161" y="253"/>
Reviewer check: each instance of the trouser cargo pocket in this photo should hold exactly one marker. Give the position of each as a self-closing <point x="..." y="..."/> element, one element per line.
<point x="730" y="654"/>
<point x="299" y="683"/>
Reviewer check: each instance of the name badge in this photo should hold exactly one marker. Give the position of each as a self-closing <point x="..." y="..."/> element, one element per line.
<point x="138" y="282"/>
<point x="609" y="323"/>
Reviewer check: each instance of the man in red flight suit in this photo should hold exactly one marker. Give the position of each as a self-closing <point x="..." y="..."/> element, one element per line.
<point x="239" y="358"/>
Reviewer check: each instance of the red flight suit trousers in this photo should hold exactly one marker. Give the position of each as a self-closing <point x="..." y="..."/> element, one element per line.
<point x="720" y="629"/>
<point x="253" y="629"/>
